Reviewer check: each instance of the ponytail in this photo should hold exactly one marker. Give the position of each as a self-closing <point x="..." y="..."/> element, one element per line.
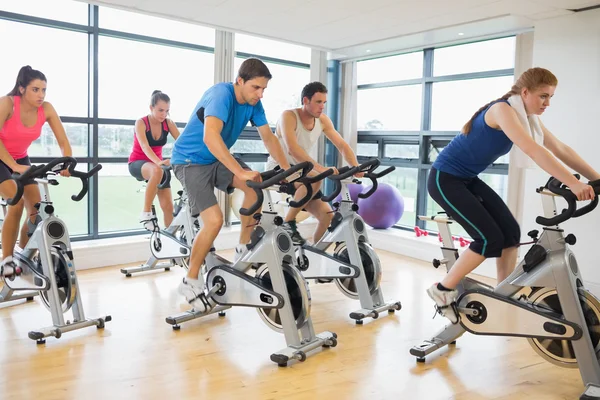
<point x="467" y="127"/>
<point x="24" y="78"/>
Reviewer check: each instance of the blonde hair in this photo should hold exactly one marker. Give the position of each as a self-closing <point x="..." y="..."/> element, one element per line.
<point x="531" y="79"/>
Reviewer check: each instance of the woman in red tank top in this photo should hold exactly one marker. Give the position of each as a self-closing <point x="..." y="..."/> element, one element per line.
<point x="23" y="112"/>
<point x="146" y="159"/>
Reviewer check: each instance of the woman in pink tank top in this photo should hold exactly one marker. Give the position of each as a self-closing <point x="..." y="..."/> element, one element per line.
<point x="23" y="112"/>
<point x="146" y="159"/>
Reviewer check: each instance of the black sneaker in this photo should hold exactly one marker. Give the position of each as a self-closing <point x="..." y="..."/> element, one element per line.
<point x="294" y="234"/>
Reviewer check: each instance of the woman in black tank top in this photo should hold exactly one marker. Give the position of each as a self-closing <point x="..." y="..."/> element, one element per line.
<point x="146" y="161"/>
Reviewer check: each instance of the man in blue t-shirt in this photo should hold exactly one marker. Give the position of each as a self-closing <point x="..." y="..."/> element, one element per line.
<point x="202" y="162"/>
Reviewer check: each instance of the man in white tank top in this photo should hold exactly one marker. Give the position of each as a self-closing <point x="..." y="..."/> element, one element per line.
<point x="298" y="131"/>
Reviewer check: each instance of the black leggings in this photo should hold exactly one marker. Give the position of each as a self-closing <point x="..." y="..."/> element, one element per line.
<point x="478" y="209"/>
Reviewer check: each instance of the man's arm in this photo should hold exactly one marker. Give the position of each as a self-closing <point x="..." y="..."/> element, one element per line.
<point x="338" y="141"/>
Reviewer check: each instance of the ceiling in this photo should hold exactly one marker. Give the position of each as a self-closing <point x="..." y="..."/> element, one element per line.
<point x="348" y="28"/>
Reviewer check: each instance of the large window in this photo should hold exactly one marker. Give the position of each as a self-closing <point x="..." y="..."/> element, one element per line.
<point x="65" y="66"/>
<point x="100" y="80"/>
<point x="140" y="24"/>
<point x="392" y="108"/>
<point x="184" y="75"/>
<point x="410" y="106"/>
<point x="63" y="10"/>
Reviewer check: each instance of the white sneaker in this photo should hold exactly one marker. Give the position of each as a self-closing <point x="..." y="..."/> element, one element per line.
<point x="444" y="301"/>
<point x="195" y="295"/>
<point x="149" y="221"/>
<point x="8" y="268"/>
<point x="240" y="251"/>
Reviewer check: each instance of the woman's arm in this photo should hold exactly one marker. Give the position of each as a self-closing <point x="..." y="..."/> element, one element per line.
<point x="504" y="116"/>
<point x="567" y="155"/>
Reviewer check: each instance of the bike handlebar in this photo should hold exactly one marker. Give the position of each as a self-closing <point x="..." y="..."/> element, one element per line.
<point x="39" y="171"/>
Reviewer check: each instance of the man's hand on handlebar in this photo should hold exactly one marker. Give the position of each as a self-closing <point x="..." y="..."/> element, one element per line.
<point x="320" y="169"/>
<point x="250" y="176"/>
<point x="583" y="191"/>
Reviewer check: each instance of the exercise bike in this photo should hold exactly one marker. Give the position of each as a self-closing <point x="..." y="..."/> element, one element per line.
<point x="276" y="289"/>
<point x="170" y="246"/>
<point x="354" y="265"/>
<point x="47" y="262"/>
<point x="543" y="300"/>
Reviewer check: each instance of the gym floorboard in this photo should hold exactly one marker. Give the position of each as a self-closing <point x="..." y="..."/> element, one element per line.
<point x="139" y="356"/>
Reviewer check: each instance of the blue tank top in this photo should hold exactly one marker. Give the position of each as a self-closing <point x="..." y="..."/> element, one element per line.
<point x="466" y="156"/>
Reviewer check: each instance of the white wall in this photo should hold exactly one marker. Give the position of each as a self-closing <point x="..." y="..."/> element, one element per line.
<point x="569" y="46"/>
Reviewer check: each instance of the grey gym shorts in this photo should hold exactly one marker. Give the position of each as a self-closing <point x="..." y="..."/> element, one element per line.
<point x="200" y="181"/>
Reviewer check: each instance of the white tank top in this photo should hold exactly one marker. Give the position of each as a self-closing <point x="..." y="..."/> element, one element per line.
<point x="306" y="139"/>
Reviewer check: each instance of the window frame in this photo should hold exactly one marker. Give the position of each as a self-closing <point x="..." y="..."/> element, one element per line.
<point x="425" y="136"/>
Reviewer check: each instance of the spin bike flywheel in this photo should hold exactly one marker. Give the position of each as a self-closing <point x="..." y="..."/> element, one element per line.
<point x="370" y="263"/>
<point x="66" y="286"/>
<point x="299" y="299"/>
<point x="557" y="351"/>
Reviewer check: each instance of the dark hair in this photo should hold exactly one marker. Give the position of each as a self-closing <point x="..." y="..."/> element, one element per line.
<point x="312" y="88"/>
<point x="157" y="96"/>
<point x="24" y="78"/>
<point x="253" y="68"/>
<point x="531" y="79"/>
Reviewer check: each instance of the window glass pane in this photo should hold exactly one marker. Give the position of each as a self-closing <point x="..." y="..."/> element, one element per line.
<point x="73" y="213"/>
<point x="405" y="180"/>
<point x="120" y="199"/>
<point x="65" y="66"/>
<point x="367" y="149"/>
<point x="435" y="147"/>
<point x="475" y="57"/>
<point x="125" y="88"/>
<point x="387" y="69"/>
<point x="271" y="48"/>
<point x="454" y="102"/>
<point x="284" y="88"/>
<point x="115" y="140"/>
<point x="62" y="10"/>
<point x="47" y="146"/>
<point x="406" y="151"/>
<point x="163" y="28"/>
<point x="245" y="146"/>
<point x="393" y="108"/>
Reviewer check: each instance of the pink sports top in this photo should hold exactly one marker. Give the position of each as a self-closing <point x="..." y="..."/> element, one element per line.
<point x="137" y="154"/>
<point x="17" y="137"/>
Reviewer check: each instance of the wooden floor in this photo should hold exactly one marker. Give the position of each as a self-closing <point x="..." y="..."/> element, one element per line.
<point x="139" y="356"/>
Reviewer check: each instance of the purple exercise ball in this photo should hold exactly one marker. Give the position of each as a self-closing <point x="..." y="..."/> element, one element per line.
<point x="382" y="209"/>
